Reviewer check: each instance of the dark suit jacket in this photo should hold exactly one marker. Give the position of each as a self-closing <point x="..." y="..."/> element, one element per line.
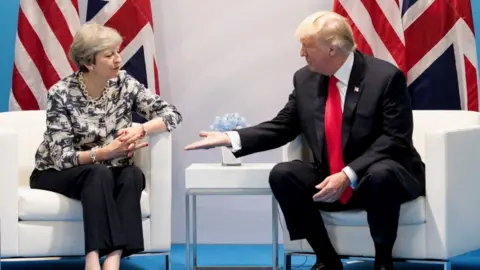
<point x="377" y="120"/>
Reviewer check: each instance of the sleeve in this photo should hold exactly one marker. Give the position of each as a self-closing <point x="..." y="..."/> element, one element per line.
<point x="234" y="140"/>
<point x="149" y="105"/>
<point x="59" y="133"/>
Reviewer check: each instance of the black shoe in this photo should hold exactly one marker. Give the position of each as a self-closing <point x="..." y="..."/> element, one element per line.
<point x="321" y="266"/>
<point x="318" y="266"/>
<point x="384" y="266"/>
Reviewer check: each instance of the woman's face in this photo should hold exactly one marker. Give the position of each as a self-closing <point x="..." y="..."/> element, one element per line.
<point x="107" y="63"/>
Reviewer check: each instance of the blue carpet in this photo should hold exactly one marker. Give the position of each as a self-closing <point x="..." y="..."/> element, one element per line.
<point x="229" y="255"/>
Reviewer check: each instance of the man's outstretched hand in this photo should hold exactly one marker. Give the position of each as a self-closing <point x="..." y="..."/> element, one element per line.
<point x="210" y="139"/>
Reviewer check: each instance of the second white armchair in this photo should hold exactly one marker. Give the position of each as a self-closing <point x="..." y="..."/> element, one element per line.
<point x="438" y="226"/>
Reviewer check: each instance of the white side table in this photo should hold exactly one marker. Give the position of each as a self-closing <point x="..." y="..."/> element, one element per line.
<point x="215" y="179"/>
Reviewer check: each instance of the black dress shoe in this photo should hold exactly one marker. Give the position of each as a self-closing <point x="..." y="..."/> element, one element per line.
<point x="321" y="266"/>
<point x="318" y="266"/>
<point x="384" y="266"/>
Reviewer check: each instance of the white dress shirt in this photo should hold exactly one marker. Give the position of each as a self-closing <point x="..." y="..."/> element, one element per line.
<point x="343" y="75"/>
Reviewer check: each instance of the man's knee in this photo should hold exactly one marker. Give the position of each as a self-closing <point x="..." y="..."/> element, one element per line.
<point x="380" y="185"/>
<point x="279" y="173"/>
<point x="378" y="175"/>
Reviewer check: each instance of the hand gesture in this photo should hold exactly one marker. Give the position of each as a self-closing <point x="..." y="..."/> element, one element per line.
<point x="331" y="188"/>
<point x="210" y="139"/>
<point x="122" y="147"/>
<point x="132" y="134"/>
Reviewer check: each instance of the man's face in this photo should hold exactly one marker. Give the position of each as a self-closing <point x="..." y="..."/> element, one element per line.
<point x="317" y="55"/>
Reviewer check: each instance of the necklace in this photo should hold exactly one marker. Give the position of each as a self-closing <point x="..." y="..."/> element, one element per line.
<point x="93" y="101"/>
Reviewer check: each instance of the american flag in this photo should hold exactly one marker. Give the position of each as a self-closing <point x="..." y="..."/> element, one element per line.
<point x="431" y="41"/>
<point x="45" y="32"/>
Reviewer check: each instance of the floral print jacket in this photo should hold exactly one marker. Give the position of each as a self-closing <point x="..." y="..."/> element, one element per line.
<point x="76" y="123"/>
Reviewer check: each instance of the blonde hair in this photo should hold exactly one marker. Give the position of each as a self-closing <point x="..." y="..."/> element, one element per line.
<point x="330" y="27"/>
<point x="91" y="39"/>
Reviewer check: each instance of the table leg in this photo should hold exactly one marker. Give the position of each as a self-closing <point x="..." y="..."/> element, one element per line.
<point x="187" y="231"/>
<point x="274" y="233"/>
<point x="194" y="224"/>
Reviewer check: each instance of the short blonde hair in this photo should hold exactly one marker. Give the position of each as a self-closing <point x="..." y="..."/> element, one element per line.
<point x="330" y="27"/>
<point x="91" y="39"/>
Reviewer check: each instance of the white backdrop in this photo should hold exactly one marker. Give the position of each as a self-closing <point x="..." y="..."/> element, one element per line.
<point x="218" y="56"/>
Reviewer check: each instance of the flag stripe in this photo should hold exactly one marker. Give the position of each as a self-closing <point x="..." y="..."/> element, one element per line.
<point x="45" y="32"/>
<point x="31" y="75"/>
<point x="128" y="30"/>
<point x="415" y="33"/>
<point x="419" y="37"/>
<point x="144" y="9"/>
<point x="75" y="5"/>
<point x="70" y="15"/>
<point x="157" y="80"/>
<point x="34" y="48"/>
<point x="386" y="33"/>
<point x="394" y="17"/>
<point x="463" y="9"/>
<point x="362" y="44"/>
<point x="22" y="93"/>
<point x="414" y="11"/>
<point x="472" y="85"/>
<point x="58" y="24"/>
<point x="110" y="8"/>
<point x="357" y="12"/>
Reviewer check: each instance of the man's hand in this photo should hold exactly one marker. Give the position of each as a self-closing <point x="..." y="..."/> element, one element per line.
<point x="331" y="188"/>
<point x="210" y="139"/>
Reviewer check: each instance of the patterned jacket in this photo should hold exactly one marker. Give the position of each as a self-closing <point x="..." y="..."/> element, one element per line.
<point x="76" y="123"/>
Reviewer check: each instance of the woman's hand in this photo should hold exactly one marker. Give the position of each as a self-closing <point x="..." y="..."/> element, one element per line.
<point x="132" y="134"/>
<point x="121" y="147"/>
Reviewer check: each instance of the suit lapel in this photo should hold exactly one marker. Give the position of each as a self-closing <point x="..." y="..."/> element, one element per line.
<point x="354" y="90"/>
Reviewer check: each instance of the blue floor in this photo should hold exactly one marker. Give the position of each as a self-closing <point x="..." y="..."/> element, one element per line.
<point x="229" y="255"/>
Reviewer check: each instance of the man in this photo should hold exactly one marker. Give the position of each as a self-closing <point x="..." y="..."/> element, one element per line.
<point x="355" y="114"/>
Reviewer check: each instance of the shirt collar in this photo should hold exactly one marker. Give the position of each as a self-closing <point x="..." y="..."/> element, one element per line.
<point x="343" y="73"/>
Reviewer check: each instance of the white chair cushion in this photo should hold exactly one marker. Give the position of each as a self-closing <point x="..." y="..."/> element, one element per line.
<point x="42" y="205"/>
<point x="411" y="213"/>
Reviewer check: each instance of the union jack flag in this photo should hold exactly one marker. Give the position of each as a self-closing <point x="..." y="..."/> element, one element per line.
<point x="431" y="41"/>
<point x="45" y="32"/>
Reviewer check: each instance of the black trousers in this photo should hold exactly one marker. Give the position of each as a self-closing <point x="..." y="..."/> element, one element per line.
<point x="380" y="194"/>
<point x="110" y="199"/>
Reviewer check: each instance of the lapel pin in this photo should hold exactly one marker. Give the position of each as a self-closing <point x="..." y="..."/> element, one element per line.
<point x="356" y="89"/>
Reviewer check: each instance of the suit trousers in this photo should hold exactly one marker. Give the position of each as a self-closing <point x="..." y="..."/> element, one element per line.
<point x="380" y="193"/>
<point x="110" y="199"/>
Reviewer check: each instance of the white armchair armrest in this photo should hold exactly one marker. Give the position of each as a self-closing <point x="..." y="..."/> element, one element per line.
<point x="296" y="150"/>
<point x="156" y="163"/>
<point x="452" y="159"/>
<point x="8" y="192"/>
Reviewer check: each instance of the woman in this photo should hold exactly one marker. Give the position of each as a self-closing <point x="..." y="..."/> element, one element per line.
<point x="87" y="152"/>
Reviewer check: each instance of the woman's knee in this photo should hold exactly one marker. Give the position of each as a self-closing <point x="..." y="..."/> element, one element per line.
<point x="99" y="175"/>
<point x="133" y="177"/>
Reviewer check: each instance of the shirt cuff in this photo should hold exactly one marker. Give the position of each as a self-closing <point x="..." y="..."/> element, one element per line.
<point x="234" y="140"/>
<point x="352" y="176"/>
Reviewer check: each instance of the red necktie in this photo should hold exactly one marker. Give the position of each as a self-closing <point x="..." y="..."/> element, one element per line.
<point x="333" y="134"/>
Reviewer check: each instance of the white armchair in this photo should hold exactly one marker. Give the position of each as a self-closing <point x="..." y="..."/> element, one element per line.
<point x="438" y="226"/>
<point x="38" y="223"/>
